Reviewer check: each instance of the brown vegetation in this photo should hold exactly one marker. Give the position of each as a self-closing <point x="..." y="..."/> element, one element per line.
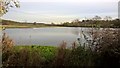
<point x="7" y="43"/>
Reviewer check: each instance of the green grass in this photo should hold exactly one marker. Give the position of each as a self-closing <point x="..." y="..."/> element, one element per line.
<point x="29" y="56"/>
<point x="48" y="52"/>
<point x="26" y="26"/>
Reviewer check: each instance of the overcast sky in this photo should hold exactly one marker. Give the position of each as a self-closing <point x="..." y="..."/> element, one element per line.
<point x="69" y="0"/>
<point x="58" y="11"/>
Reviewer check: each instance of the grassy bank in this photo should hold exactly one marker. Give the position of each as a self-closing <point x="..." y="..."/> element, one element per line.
<point x="23" y="26"/>
<point x="29" y="55"/>
<point x="42" y="56"/>
<point x="27" y="26"/>
<point x="54" y="57"/>
<point x="47" y="52"/>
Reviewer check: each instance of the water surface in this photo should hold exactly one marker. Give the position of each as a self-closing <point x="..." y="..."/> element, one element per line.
<point x="50" y="36"/>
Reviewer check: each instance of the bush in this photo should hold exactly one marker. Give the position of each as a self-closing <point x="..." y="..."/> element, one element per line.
<point x="107" y="47"/>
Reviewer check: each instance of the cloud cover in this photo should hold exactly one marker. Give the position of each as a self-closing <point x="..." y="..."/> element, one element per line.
<point x="61" y="10"/>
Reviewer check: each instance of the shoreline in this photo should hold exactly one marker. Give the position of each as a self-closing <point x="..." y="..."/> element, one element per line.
<point x="17" y="26"/>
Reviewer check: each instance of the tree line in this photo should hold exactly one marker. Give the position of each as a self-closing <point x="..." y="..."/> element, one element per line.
<point x="96" y="21"/>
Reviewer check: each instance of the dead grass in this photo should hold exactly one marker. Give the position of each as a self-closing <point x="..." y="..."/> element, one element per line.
<point x="7" y="43"/>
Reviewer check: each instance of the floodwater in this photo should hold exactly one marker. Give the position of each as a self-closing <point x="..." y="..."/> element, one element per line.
<point x="47" y="36"/>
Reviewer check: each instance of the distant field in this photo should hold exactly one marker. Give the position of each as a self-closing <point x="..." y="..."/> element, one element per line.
<point x="14" y="26"/>
<point x="26" y="26"/>
<point x="0" y="27"/>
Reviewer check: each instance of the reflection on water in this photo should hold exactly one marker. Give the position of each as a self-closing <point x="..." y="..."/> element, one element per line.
<point x="47" y="36"/>
<point x="41" y="36"/>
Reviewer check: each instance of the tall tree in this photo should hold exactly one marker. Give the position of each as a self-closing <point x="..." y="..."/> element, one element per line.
<point x="97" y="18"/>
<point x="107" y="18"/>
<point x="76" y="21"/>
<point x="5" y="5"/>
